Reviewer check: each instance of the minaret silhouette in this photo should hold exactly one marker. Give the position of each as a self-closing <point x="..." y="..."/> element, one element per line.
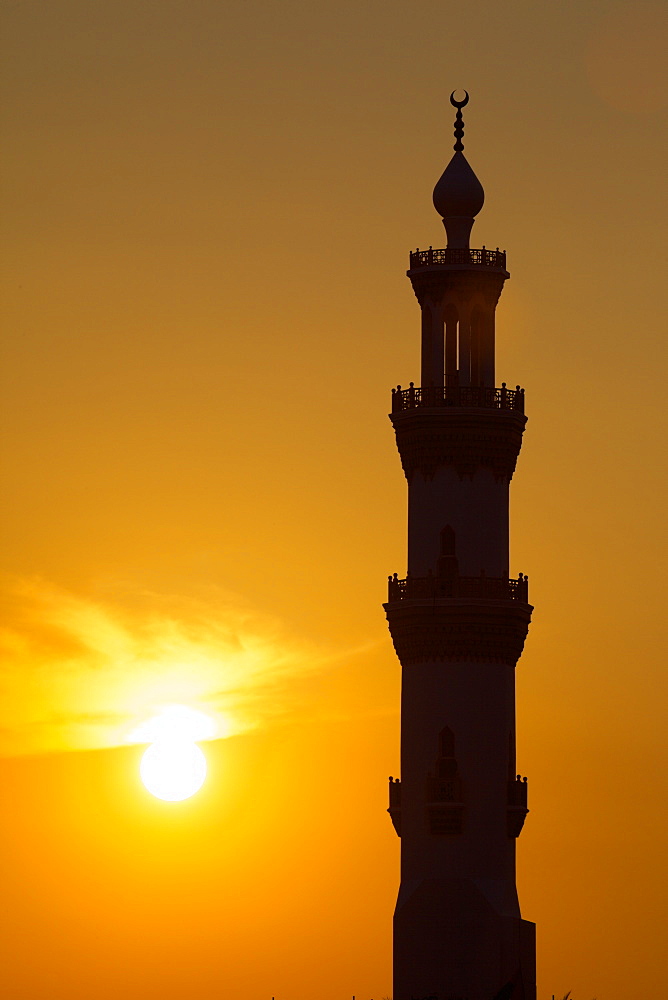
<point x="458" y="624"/>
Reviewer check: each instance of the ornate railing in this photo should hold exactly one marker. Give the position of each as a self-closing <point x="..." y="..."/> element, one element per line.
<point x="517" y="805"/>
<point x="450" y="255"/>
<point x="395" y="793"/>
<point x="517" y="793"/>
<point x="457" y="395"/>
<point x="427" y="587"/>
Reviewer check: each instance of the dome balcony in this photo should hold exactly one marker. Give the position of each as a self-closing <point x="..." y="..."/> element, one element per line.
<point x="462" y="396"/>
<point x="457" y="257"/>
<point x="476" y="587"/>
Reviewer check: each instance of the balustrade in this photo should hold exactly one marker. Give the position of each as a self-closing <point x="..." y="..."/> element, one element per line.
<point x="428" y="587"/>
<point x="517" y="793"/>
<point x="454" y="256"/>
<point x="435" y="396"/>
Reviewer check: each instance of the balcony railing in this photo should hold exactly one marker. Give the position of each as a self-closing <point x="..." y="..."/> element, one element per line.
<point x="457" y="395"/>
<point x="428" y="587"/>
<point x="517" y="793"/>
<point x="450" y="255"/>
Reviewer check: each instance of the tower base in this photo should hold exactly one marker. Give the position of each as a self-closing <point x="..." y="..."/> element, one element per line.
<point x="452" y="943"/>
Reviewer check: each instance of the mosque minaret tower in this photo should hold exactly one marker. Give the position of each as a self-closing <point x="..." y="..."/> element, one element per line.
<point x="458" y="623"/>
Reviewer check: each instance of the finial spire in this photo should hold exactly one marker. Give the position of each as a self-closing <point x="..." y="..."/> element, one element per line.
<point x="458" y="195"/>
<point x="459" y="121"/>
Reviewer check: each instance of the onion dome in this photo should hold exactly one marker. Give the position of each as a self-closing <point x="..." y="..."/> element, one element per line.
<point x="458" y="195"/>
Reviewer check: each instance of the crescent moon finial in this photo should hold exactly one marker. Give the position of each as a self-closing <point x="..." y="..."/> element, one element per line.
<point x="459" y="104"/>
<point x="459" y="121"/>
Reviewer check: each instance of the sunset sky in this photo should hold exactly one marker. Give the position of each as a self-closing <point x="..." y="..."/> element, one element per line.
<point x="207" y="213"/>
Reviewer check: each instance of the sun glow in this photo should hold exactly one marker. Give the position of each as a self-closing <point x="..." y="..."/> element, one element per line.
<point x="175" y="722"/>
<point x="173" y="768"/>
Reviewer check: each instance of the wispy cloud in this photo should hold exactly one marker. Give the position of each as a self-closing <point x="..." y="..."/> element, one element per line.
<point x="82" y="672"/>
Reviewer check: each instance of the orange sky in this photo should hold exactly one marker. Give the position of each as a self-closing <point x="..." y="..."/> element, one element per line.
<point x="208" y="209"/>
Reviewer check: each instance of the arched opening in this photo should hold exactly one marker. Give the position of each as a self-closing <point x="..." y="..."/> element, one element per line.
<point x="477" y="323"/>
<point x="446" y="742"/>
<point x="432" y="346"/>
<point x="487" y="374"/>
<point x="444" y="789"/>
<point x="451" y="321"/>
<point x="447" y="566"/>
<point x="447" y="541"/>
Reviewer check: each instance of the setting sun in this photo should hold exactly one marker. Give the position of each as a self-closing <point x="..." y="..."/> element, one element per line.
<point x="173" y="767"/>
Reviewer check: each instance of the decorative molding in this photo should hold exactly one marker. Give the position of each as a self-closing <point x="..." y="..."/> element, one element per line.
<point x="462" y="438"/>
<point x="434" y="284"/>
<point x="458" y="629"/>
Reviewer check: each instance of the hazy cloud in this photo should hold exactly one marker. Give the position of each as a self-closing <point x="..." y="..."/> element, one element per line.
<point x="83" y="671"/>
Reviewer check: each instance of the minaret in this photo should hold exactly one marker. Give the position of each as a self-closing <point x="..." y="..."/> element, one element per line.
<point x="458" y="624"/>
